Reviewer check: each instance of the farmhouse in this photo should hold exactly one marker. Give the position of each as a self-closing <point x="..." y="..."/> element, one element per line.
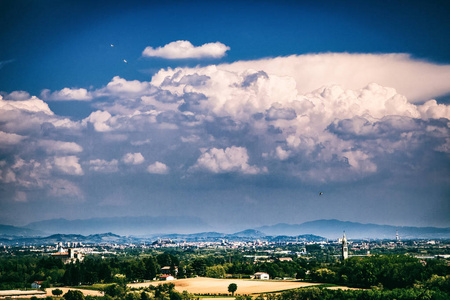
<point x="166" y="270"/>
<point x="166" y="277"/>
<point x="36" y="285"/>
<point x="261" y="275"/>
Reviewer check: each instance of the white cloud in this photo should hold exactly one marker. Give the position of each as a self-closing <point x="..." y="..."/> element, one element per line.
<point x="120" y="87"/>
<point x="158" y="168"/>
<point x="432" y="110"/>
<point x="8" y="139"/>
<point x="68" y="165"/>
<point x="18" y="95"/>
<point x="140" y="142"/>
<point x="133" y="158"/>
<point x="231" y="159"/>
<point x="104" y="166"/>
<point x="99" y="119"/>
<point x="297" y="125"/>
<point x="184" y="49"/>
<point x="281" y="153"/>
<point x="67" y="94"/>
<point x="32" y="105"/>
<point x="417" y="80"/>
<point x="51" y="146"/>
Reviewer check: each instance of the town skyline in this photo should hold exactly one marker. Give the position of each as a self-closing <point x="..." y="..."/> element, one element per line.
<point x="241" y="114"/>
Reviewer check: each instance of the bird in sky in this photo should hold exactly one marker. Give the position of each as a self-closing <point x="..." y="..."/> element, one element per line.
<point x="125" y="61"/>
<point x="112" y="45"/>
<point x="320" y="193"/>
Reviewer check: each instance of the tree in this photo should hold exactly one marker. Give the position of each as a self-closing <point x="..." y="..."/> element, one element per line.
<point x="115" y="290"/>
<point x="215" y="272"/>
<point x="232" y="288"/>
<point x="73" y="295"/>
<point x="57" y="292"/>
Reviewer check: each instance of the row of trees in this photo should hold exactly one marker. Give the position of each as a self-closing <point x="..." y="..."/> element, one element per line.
<point x="389" y="271"/>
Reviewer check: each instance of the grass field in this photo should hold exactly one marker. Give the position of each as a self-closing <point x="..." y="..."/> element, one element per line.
<point x="84" y="291"/>
<point x="203" y="285"/>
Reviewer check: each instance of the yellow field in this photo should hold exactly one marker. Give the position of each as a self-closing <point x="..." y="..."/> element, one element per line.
<point x="203" y="285"/>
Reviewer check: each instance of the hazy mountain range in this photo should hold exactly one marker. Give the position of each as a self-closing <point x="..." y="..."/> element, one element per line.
<point x="191" y="228"/>
<point x="142" y="225"/>
<point x="334" y="229"/>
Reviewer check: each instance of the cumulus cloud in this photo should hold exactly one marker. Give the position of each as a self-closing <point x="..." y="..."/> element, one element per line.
<point x="99" y="119"/>
<point x="184" y="49"/>
<point x="104" y="166"/>
<point x="280" y="117"/>
<point x="16" y="95"/>
<point x="9" y="139"/>
<point x="158" y="168"/>
<point x="133" y="158"/>
<point x="120" y="87"/>
<point x="417" y="80"/>
<point x="51" y="146"/>
<point x="231" y="159"/>
<point x="67" y="94"/>
<point x="68" y="165"/>
<point x="32" y="105"/>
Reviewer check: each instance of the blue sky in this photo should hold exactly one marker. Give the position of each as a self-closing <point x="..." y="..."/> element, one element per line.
<point x="304" y="96"/>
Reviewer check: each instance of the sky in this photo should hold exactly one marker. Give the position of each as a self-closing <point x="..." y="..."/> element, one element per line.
<point x="236" y="112"/>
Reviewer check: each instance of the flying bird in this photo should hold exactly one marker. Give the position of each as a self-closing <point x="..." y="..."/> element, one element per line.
<point x="125" y="61"/>
<point x="320" y="193"/>
<point x="112" y="45"/>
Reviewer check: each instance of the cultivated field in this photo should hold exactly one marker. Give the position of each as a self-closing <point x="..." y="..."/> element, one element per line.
<point x="203" y="285"/>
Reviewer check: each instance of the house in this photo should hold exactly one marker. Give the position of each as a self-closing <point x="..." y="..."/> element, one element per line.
<point x="166" y="277"/>
<point x="166" y="270"/>
<point x="36" y="284"/>
<point x="261" y="275"/>
<point x="285" y="259"/>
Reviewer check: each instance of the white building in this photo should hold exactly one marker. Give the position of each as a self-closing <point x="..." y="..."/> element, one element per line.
<point x="261" y="275"/>
<point x="166" y="277"/>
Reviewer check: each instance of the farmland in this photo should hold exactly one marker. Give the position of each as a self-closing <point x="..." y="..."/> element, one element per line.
<point x="203" y="285"/>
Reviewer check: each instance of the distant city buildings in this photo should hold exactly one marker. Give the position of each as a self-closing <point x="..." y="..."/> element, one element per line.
<point x="70" y="256"/>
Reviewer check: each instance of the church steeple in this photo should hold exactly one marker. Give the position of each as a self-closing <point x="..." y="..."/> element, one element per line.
<point x="344" y="247"/>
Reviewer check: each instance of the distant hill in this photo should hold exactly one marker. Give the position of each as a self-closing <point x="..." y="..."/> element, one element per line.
<point x="122" y="225"/>
<point x="64" y="238"/>
<point x="300" y="238"/>
<point x="251" y="233"/>
<point x="246" y="235"/>
<point x="19" y="231"/>
<point x="334" y="229"/>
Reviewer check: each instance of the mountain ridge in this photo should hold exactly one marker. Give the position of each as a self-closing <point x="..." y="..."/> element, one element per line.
<point x="195" y="228"/>
<point x="332" y="228"/>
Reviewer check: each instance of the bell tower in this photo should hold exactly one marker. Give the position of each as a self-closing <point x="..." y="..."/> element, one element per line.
<point x="344" y="247"/>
